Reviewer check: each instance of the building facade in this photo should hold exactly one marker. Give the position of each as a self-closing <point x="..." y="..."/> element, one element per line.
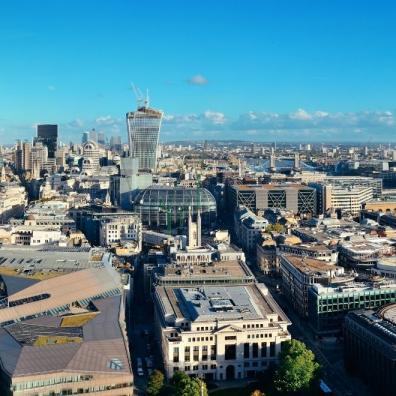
<point x="297" y="198"/>
<point x="143" y="135"/>
<point x="47" y="134"/>
<point x="220" y="333"/>
<point x="370" y="348"/>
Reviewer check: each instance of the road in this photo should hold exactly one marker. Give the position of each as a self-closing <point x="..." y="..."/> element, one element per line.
<point x="141" y="324"/>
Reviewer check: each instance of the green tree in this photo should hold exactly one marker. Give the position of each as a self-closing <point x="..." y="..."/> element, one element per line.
<point x="186" y="386"/>
<point x="155" y="383"/>
<point x="279" y="228"/>
<point x="297" y="367"/>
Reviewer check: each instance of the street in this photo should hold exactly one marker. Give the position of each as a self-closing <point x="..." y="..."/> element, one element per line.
<point x="141" y="332"/>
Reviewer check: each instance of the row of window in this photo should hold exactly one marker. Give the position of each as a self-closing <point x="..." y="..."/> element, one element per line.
<point x="265" y="335"/>
<point x="50" y="381"/>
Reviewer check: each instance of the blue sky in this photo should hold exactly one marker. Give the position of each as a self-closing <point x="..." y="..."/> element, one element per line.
<point x="260" y="70"/>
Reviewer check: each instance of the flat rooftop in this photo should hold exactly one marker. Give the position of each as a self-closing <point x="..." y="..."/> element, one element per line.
<point x="216" y="269"/>
<point x="277" y="186"/>
<point x="41" y="262"/>
<point x="309" y="265"/>
<point x="221" y="303"/>
<point x="354" y="287"/>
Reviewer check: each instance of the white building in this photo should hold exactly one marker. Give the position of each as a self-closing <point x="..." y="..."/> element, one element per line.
<point x="90" y="163"/>
<point x="121" y="229"/>
<point x="219" y="332"/>
<point x="249" y="228"/>
<point x="347" y="199"/>
<point x="13" y="199"/>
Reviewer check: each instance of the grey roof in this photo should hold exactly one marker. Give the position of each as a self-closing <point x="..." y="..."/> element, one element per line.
<point x="35" y="360"/>
<point x="102" y="326"/>
<point x="157" y="195"/>
<point x="208" y="303"/>
<point x="10" y="351"/>
<point x="102" y="341"/>
<point x="15" y="284"/>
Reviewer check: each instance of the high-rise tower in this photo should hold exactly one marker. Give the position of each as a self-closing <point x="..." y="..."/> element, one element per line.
<point x="48" y="135"/>
<point x="143" y="135"/>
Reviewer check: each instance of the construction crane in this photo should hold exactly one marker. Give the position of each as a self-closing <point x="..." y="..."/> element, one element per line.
<point x="141" y="101"/>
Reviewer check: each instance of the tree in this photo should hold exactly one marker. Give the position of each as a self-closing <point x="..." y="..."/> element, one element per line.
<point x="279" y="228"/>
<point x="257" y="392"/>
<point x="155" y="383"/>
<point x="186" y="386"/>
<point x="297" y="367"/>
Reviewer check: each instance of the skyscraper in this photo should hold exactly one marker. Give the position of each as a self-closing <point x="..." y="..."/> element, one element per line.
<point x="143" y="134"/>
<point x="47" y="134"/>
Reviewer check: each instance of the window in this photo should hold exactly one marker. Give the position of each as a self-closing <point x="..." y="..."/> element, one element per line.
<point x="230" y="352"/>
<point x="255" y="350"/>
<point x="196" y="353"/>
<point x="213" y="352"/>
<point x="176" y="355"/>
<point x="205" y="352"/>
<point x="272" y="349"/>
<point x="116" y="364"/>
<point x="263" y="349"/>
<point x="230" y="338"/>
<point x="187" y="353"/>
<point x="246" y="350"/>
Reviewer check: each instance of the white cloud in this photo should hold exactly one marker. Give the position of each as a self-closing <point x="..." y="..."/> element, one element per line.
<point x="300" y="114"/>
<point x="215" y="117"/>
<point x="198" y="79"/>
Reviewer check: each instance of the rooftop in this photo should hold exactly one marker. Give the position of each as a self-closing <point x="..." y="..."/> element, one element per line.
<point x="43" y="345"/>
<point x="217" y="270"/>
<point x="218" y="303"/>
<point x="41" y="262"/>
<point x="308" y="265"/>
<point x="285" y="186"/>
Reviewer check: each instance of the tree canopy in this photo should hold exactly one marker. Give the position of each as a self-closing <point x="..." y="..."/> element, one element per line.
<point x="297" y="367"/>
<point x="277" y="227"/>
<point x="155" y="383"/>
<point x="187" y="386"/>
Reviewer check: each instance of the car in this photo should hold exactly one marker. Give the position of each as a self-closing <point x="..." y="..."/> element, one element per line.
<point x="149" y="362"/>
<point x="139" y="365"/>
<point x="140" y="372"/>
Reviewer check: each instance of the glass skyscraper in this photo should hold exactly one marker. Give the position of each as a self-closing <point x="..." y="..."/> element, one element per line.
<point x="47" y="134"/>
<point x="143" y="134"/>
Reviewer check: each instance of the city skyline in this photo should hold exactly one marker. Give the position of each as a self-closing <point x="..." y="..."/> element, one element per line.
<point x="259" y="72"/>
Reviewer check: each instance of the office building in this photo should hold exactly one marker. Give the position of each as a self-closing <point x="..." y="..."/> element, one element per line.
<point x="64" y="334"/>
<point x="47" y="134"/>
<point x="370" y="348"/>
<point x="248" y="228"/>
<point x="299" y="273"/>
<point x="90" y="163"/>
<point x="329" y="304"/>
<point x="219" y="332"/>
<point x="127" y="185"/>
<point x="143" y="135"/>
<point x="346" y="199"/>
<point x="297" y="198"/>
<point x="13" y="199"/>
